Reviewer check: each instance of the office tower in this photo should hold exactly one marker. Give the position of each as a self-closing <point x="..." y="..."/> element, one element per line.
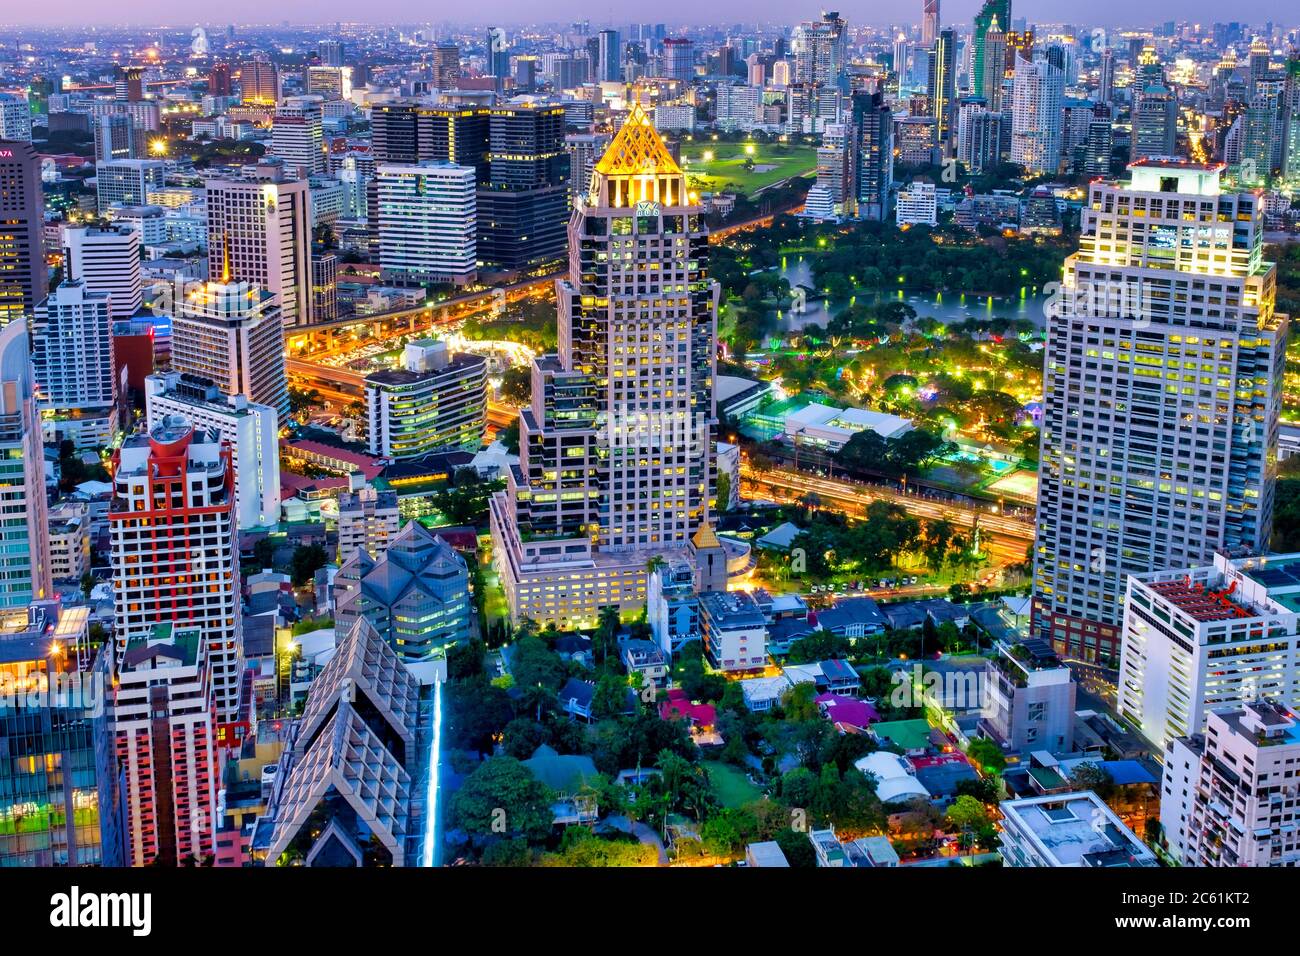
<point x="219" y="79"/>
<point x="1142" y="471"/>
<point x="609" y="65"/>
<point x="994" y="16"/>
<point x="524" y="205"/>
<point x="409" y="132"/>
<point x="173" y="550"/>
<point x="368" y="519"/>
<point x="116" y="137"/>
<point x="835" y="194"/>
<point x="979" y="137"/>
<point x="22" y="217"/>
<point x="445" y="67"/>
<point x="233" y="335"/>
<point x="1262" y="138"/>
<point x="72" y="359"/>
<point x="106" y="260"/>
<point x="15" y="118"/>
<point x="1229" y="795"/>
<point x="414" y="593"/>
<point x="526" y="73"/>
<point x="342" y="793"/>
<point x="433" y="402"/>
<point x="259" y="232"/>
<point x="1197" y="640"/>
<point x="1155" y="124"/>
<point x="820" y="49"/>
<point x="1020" y="46"/>
<point x="327" y="82"/>
<point x="296" y="136"/>
<point x="617" y="447"/>
<point x="127" y="181"/>
<point x="259" y="82"/>
<point x="1068" y="829"/>
<point x="1106" y="77"/>
<point x="129" y="84"/>
<point x="24" y="536"/>
<point x="929" y="22"/>
<point x="50" y="799"/>
<point x="325" y="287"/>
<point x="330" y="52"/>
<point x="1257" y="66"/>
<point x="160" y="716"/>
<point x="873" y="129"/>
<point x="941" y="87"/>
<point x="1036" y="96"/>
<point x="498" y="54"/>
<point x="252" y="430"/>
<point x="679" y="59"/>
<point x="994" y="66"/>
<point x="1100" y="142"/>
<point x="427" y="223"/>
<point x="583" y="149"/>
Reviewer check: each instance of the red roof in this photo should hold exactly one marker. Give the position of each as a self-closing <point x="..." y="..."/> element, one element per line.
<point x="366" y="464"/>
<point x="678" y="705"/>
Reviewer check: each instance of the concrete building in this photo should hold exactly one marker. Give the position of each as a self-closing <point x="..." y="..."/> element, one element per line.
<point x="1069" y="829"/>
<point x="672" y="606"/>
<point x="23" y="274"/>
<point x="1038" y="88"/>
<point x="734" y="630"/>
<point x="108" y="261"/>
<point x="127" y="182"/>
<point x="232" y="334"/>
<point x="434" y="402"/>
<point x="69" y="541"/>
<point x="173" y="550"/>
<point x="917" y="205"/>
<point x="72" y="357"/>
<point x="1028" y="700"/>
<point x="593" y="500"/>
<point x="15" y="118"/>
<point x="1141" y="472"/>
<point x="251" y="429"/>
<point x="1229" y="795"/>
<point x="1201" y="639"/>
<point x="24" y="537"/>
<point x="415" y="594"/>
<point x="427" y="224"/>
<point x="368" y="519"/>
<point x="296" y="135"/>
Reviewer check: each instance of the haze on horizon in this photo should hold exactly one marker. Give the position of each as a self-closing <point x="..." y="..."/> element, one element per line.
<point x="676" y="12"/>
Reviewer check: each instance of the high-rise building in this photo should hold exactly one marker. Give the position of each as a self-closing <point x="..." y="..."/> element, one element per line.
<point x="524" y="205"/>
<point x="498" y="54"/>
<point x="979" y="136"/>
<point x="259" y="81"/>
<point x="127" y="181"/>
<point x="297" y="137"/>
<point x="873" y="132"/>
<point x="1229" y="796"/>
<point x="1142" y="470"/>
<point x="427" y="223"/>
<point x="1068" y="829"/>
<point x="174" y="555"/>
<point x="325" y="287"/>
<point x="994" y="17"/>
<point x="106" y="260"/>
<point x="994" y="71"/>
<point x="368" y="519"/>
<point x="24" y="537"/>
<point x="929" y="22"/>
<point x="820" y="49"/>
<point x="433" y="402"/>
<point x="259" y="232"/>
<point x="414" y="593"/>
<point x="445" y="66"/>
<point x="1106" y="77"/>
<point x="609" y="67"/>
<point x="1037" y="90"/>
<point x="1155" y="124"/>
<point x="250" y="429"/>
<point x="1202" y="639"/>
<point x="160" y="716"/>
<point x="1258" y="66"/>
<point x="583" y="149"/>
<point x="617" y="447"/>
<point x="233" y="335"/>
<point x="72" y="357"/>
<point x="330" y="52"/>
<point x="942" y="87"/>
<point x="22" y="217"/>
<point x="15" y="118"/>
<point x="679" y="59"/>
<point x="219" y="79"/>
<point x="51" y="800"/>
<point x="116" y="137"/>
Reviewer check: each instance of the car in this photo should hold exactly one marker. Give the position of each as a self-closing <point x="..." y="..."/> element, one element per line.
<point x="912" y="579"/>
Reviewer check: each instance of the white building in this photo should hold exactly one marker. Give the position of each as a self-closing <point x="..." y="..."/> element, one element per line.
<point x="434" y="402"/>
<point x="1070" y="830"/>
<point x="1037" y="91"/>
<point x="15" y="117"/>
<point x="1202" y="639"/>
<point x="296" y="136"/>
<point x="233" y="335"/>
<point x="918" y="205"/>
<point x="830" y="427"/>
<point x="368" y="519"/>
<point x="734" y="630"/>
<point x="427" y="222"/>
<point x="127" y="181"/>
<point x="251" y="429"/>
<point x="69" y="540"/>
<point x="72" y="355"/>
<point x="1229" y="797"/>
<point x="106" y="260"/>
<point x="173" y="551"/>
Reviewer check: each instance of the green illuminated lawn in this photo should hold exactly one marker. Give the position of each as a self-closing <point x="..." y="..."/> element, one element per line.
<point x="730" y="785"/>
<point x="725" y="171"/>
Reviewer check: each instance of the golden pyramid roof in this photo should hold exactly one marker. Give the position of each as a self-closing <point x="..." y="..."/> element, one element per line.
<point x="704" y="537"/>
<point x="637" y="149"/>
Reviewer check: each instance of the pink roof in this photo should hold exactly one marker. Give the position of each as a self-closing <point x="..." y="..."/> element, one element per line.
<point x="938" y="760"/>
<point x="678" y="705"/>
<point x="366" y="464"/>
<point x="847" y="710"/>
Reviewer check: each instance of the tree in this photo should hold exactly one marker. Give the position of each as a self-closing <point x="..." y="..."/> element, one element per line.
<point x="798" y="849"/>
<point x="538" y="672"/>
<point x="1093" y="776"/>
<point x="517" y="384"/>
<point x="610" y="697"/>
<point x="987" y="755"/>
<point x="264" y="553"/>
<point x="503" y="799"/>
<point x="967" y="814"/>
<point x="723" y="500"/>
<point x="307" y="560"/>
<point x="87" y="585"/>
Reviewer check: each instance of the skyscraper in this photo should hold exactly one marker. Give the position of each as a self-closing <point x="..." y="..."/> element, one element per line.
<point x="15" y="117"/>
<point x="1106" y="77"/>
<point x="259" y="232"/>
<point x="942" y="87"/>
<point x="820" y="49"/>
<point x="873" y="155"/>
<point x="1155" y="123"/>
<point x="994" y="66"/>
<point x="106" y="260"/>
<point x="259" y="81"/>
<point x="679" y="59"/>
<point x="427" y="223"/>
<point x="929" y="22"/>
<point x="609" y="68"/>
<point x="173" y="552"/>
<point x="22" y="215"/>
<point x="1036" y="96"/>
<point x="24" y="537"/>
<point x="72" y="357"/>
<point x="297" y="135"/>
<point x="994" y="15"/>
<point x="498" y="54"/>
<point x="617" y="447"/>
<point x="127" y="181"/>
<point x="1162" y="388"/>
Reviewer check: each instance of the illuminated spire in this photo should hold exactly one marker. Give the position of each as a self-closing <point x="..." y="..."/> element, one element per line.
<point x="637" y="167"/>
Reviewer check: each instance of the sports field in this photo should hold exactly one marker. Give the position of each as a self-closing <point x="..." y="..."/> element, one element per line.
<point x="722" y="167"/>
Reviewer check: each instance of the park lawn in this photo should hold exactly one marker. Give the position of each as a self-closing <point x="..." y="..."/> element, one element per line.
<point x="726" y="172"/>
<point x="730" y="785"/>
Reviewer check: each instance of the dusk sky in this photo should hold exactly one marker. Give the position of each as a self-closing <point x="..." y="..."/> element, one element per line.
<point x="1120" y="12"/>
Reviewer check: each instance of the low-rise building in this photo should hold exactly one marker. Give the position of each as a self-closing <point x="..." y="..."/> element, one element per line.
<point x="1028" y="698"/>
<point x="734" y="630"/>
<point x="1068" y="829"/>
